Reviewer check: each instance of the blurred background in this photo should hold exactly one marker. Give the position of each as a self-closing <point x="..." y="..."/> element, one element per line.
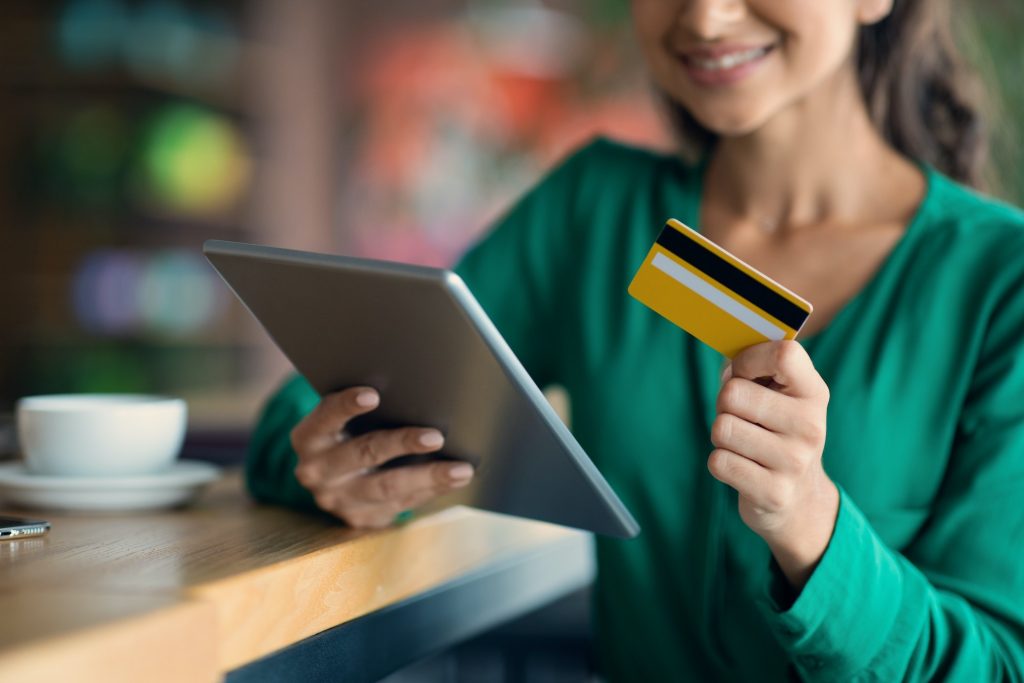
<point x="133" y="130"/>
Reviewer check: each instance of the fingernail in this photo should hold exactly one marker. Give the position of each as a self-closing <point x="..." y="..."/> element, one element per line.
<point x="431" y="439"/>
<point x="460" y="473"/>
<point x="725" y="373"/>
<point x="366" y="399"/>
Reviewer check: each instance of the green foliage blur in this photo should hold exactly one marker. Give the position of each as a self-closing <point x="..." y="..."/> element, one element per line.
<point x="989" y="31"/>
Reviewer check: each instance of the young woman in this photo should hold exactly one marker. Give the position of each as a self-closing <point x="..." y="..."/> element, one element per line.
<point x="877" y="534"/>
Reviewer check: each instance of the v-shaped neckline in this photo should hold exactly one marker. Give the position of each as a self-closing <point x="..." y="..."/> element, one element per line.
<point x="881" y="273"/>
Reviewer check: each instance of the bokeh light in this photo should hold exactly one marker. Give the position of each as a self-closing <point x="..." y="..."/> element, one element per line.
<point x="124" y="292"/>
<point x="159" y="41"/>
<point x="194" y="161"/>
<point x="93" y="150"/>
<point x="89" y="32"/>
<point x="105" y="292"/>
<point x="178" y="294"/>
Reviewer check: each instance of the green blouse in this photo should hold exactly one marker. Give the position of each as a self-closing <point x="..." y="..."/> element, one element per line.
<point x="924" y="575"/>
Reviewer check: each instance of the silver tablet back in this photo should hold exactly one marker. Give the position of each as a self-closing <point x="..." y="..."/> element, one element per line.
<point x="419" y="337"/>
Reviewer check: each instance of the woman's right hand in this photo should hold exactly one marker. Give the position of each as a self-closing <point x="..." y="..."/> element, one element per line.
<point x="340" y="470"/>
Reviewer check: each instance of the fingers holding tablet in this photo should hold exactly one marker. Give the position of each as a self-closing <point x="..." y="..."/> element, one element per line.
<point x="322" y="428"/>
<point x="341" y="471"/>
<point x="413" y="485"/>
<point x="373" y="449"/>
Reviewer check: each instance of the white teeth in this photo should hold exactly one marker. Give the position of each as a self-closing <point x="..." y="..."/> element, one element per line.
<point x="731" y="60"/>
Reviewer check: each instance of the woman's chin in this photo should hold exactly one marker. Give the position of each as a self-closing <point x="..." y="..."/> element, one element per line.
<point x="729" y="124"/>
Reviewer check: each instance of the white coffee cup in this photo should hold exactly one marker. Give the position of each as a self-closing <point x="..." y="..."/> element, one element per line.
<point x="100" y="435"/>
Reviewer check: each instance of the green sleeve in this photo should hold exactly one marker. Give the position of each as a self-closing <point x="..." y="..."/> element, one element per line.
<point x="513" y="272"/>
<point x="270" y="465"/>
<point x="951" y="607"/>
<point x="519" y="271"/>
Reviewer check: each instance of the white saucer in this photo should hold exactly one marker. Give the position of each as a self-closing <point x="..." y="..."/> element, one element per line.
<point x="176" y="485"/>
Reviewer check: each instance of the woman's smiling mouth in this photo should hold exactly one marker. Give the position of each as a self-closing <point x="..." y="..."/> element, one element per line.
<point x="723" y="65"/>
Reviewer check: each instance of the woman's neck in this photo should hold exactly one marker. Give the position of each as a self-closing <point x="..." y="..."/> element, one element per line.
<point x="821" y="161"/>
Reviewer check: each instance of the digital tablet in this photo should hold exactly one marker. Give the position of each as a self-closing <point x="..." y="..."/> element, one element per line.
<point x="418" y="336"/>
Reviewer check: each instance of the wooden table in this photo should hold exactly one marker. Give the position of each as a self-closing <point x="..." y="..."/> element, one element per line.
<point x="229" y="588"/>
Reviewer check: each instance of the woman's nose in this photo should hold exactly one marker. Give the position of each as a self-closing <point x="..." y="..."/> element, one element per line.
<point x="709" y="19"/>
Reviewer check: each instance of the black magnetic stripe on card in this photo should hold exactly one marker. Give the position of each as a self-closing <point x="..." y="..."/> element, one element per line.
<point x="731" y="277"/>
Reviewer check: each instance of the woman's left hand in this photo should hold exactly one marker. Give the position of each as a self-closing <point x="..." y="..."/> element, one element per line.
<point x="769" y="436"/>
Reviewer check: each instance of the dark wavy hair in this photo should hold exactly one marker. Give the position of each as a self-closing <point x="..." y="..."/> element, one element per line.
<point x="920" y="93"/>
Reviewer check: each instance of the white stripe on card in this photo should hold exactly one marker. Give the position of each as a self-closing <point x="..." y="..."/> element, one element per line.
<point x="715" y="296"/>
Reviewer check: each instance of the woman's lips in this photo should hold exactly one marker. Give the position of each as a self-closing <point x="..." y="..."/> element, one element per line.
<point x="723" y="66"/>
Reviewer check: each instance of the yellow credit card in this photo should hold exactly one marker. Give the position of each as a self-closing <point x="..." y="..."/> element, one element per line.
<point x="726" y="303"/>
